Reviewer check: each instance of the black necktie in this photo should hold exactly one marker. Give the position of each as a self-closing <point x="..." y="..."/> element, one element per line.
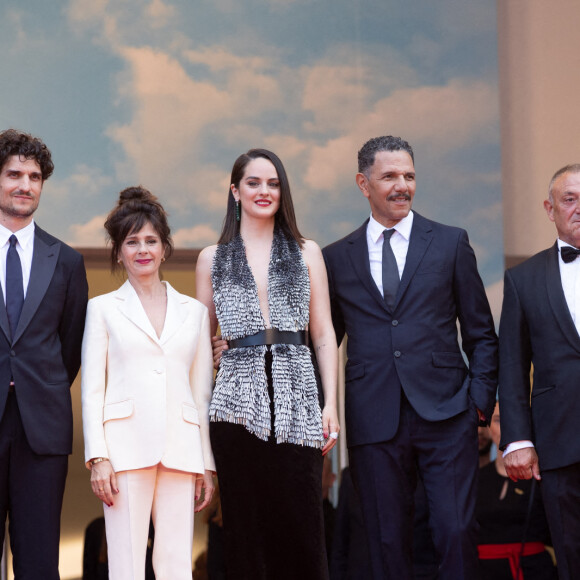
<point x="14" y="286"/>
<point x="569" y="254"/>
<point x="390" y="270"/>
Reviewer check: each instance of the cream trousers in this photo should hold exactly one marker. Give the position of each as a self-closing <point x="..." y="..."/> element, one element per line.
<point x="167" y="496"/>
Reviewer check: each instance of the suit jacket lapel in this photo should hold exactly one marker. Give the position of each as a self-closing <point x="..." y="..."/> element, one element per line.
<point x="176" y="313"/>
<point x="359" y="256"/>
<point x="4" y="325"/>
<point x="44" y="259"/>
<point x="558" y="299"/>
<point x="130" y="306"/>
<point x="421" y="236"/>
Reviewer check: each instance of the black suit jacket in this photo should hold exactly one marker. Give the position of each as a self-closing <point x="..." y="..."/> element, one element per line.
<point x="44" y="356"/>
<point x="414" y="346"/>
<point x="536" y="328"/>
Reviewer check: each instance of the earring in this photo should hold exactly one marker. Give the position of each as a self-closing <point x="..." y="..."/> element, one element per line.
<point x="237" y="210"/>
<point x="163" y="259"/>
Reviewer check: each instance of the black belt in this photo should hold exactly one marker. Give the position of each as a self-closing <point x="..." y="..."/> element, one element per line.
<point x="271" y="336"/>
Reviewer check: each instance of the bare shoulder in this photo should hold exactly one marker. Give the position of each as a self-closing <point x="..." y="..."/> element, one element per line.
<point x="311" y="252"/>
<point x="205" y="258"/>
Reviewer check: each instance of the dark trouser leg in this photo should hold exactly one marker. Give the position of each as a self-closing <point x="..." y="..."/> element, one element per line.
<point x="5" y="430"/>
<point x="561" y="495"/>
<point x="35" y="491"/>
<point x="448" y="462"/>
<point x="384" y="475"/>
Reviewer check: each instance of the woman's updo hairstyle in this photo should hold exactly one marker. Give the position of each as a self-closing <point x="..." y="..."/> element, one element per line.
<point x="136" y="207"/>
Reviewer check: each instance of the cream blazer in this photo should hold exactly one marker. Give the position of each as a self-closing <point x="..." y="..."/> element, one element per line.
<point x="146" y="399"/>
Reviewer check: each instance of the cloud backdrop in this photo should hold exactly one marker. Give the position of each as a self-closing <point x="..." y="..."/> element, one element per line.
<point x="167" y="93"/>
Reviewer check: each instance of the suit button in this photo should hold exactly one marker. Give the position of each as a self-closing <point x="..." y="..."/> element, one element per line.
<point x="397" y="353"/>
<point x="12" y="353"/>
<point x="395" y="322"/>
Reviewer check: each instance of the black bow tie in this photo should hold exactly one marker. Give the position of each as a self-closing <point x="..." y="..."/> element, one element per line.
<point x="569" y="254"/>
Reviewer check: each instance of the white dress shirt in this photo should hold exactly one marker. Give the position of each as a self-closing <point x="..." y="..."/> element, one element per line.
<point x="399" y="243"/>
<point x="570" y="277"/>
<point x="25" y="249"/>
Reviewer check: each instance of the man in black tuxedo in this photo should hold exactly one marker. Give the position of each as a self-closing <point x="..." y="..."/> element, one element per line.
<point x="42" y="313"/>
<point x="398" y="286"/>
<point x="540" y="326"/>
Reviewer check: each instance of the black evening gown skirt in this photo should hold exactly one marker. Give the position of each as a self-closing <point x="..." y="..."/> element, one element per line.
<point x="271" y="496"/>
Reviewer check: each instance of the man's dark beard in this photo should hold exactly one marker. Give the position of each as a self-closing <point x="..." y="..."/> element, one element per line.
<point x="12" y="212"/>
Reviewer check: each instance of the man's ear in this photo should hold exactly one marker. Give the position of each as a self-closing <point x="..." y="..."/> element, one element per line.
<point x="549" y="207"/>
<point x="361" y="181"/>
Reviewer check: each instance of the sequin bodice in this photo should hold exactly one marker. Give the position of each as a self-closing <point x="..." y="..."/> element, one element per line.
<point x="241" y="392"/>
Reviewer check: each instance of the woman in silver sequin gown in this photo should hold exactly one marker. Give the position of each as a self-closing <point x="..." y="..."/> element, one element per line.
<point x="268" y="431"/>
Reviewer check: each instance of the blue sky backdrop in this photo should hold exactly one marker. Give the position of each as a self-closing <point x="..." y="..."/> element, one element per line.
<point x="167" y="93"/>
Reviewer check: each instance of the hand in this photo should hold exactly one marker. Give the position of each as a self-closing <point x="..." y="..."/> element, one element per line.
<point x="219" y="345"/>
<point x="482" y="418"/>
<point x="104" y="482"/>
<point x="204" y="483"/>
<point x="329" y="425"/>
<point x="522" y="464"/>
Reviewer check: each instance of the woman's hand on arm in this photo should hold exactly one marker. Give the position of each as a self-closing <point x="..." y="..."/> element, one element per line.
<point x="104" y="481"/>
<point x="323" y="340"/>
<point x="204" y="483"/>
<point x="218" y="345"/>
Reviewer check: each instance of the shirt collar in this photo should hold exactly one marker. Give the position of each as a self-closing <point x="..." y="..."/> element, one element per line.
<point x="563" y="244"/>
<point x="375" y="229"/>
<point x="25" y="235"/>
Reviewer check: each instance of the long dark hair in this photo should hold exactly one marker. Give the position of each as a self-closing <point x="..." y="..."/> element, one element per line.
<point x="285" y="216"/>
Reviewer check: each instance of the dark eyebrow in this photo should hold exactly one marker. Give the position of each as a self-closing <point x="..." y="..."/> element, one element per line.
<point x="20" y="172"/>
<point x="390" y="172"/>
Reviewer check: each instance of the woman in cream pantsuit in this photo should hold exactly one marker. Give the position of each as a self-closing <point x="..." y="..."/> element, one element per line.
<point x="146" y="386"/>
